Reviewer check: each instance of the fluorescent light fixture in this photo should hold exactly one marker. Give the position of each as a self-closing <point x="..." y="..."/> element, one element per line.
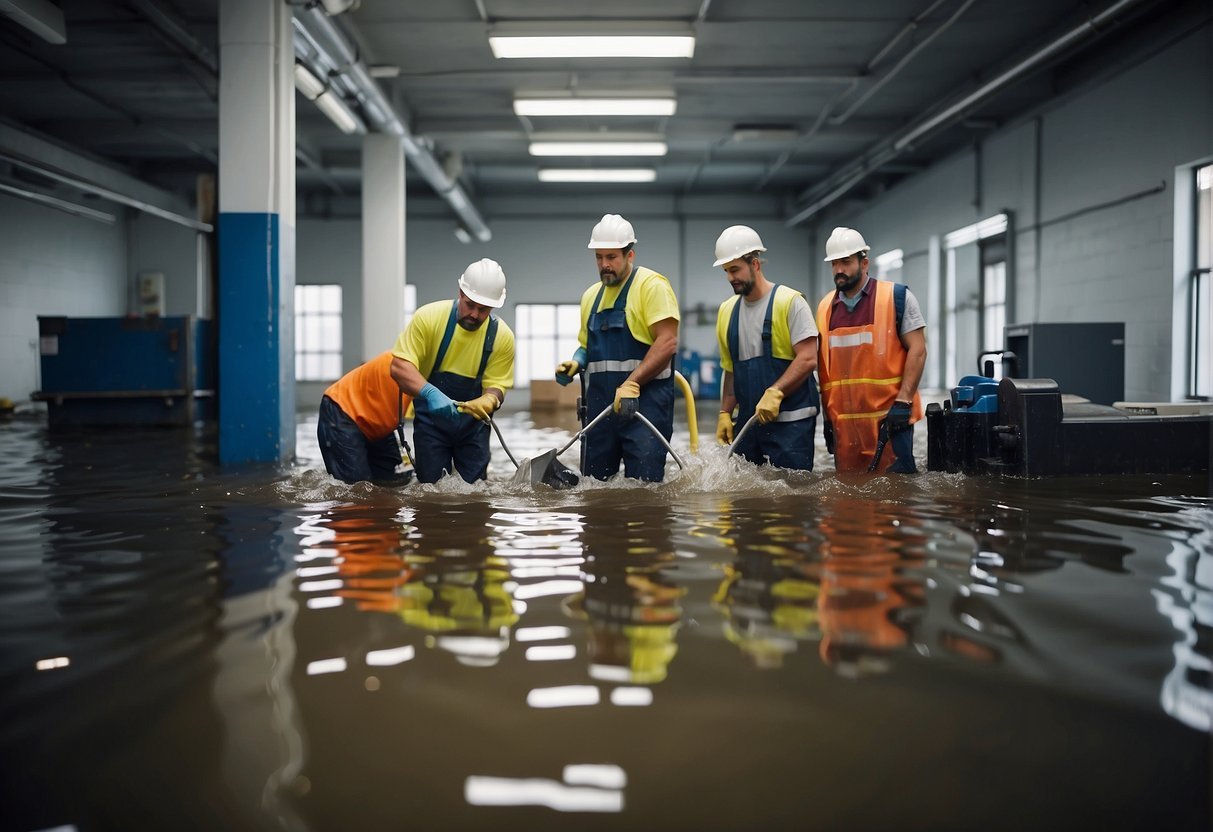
<point x="989" y="227"/>
<point x="338" y="112"/>
<point x="307" y="83"/>
<point x="598" y="148"/>
<point x="462" y="235"/>
<point x="595" y="106"/>
<point x="593" y="46"/>
<point x="597" y="175"/>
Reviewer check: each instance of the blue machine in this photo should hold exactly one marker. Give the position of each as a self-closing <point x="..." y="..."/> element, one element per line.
<point x="127" y="371"/>
<point x="1021" y="427"/>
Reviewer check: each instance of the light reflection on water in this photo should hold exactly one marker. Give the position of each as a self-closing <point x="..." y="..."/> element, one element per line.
<point x="316" y="645"/>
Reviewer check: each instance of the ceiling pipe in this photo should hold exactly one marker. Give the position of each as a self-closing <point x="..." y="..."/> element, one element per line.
<point x="58" y="204"/>
<point x="105" y="193"/>
<point x="323" y="36"/>
<point x="842" y="117"/>
<point x="174" y="30"/>
<point x="854" y="173"/>
<point x="42" y="17"/>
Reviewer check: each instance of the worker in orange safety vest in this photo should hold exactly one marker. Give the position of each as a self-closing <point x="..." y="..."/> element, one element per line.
<point x="871" y="355"/>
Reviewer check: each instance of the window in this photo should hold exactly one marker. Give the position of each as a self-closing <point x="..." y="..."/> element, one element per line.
<point x="546" y="334"/>
<point x="888" y="266"/>
<point x="993" y="291"/>
<point x="1200" y="296"/>
<point x="317" y="333"/>
<point x="975" y="293"/>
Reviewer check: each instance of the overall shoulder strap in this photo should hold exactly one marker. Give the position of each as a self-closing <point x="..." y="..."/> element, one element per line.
<point x="899" y="303"/>
<point x="446" y="336"/>
<point x="733" y="334"/>
<point x="489" y="338"/>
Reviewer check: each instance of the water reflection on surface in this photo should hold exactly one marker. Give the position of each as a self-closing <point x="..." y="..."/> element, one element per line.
<point x="733" y="648"/>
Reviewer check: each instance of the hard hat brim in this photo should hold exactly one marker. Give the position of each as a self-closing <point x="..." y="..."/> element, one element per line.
<point x="848" y="254"/>
<point x="483" y="300"/>
<point x="724" y="260"/>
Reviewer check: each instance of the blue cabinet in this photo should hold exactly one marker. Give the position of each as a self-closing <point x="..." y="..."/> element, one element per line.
<point x="127" y="371"/>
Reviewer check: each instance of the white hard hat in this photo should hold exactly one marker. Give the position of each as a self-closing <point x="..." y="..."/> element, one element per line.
<point x="484" y="283"/>
<point x="844" y="242"/>
<point x="736" y="241"/>
<point x="612" y="231"/>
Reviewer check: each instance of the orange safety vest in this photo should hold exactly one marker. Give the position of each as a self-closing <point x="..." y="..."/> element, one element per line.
<point x="370" y="396"/>
<point x="860" y="369"/>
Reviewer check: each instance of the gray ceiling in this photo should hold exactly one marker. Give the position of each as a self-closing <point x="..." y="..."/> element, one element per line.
<point x="844" y="76"/>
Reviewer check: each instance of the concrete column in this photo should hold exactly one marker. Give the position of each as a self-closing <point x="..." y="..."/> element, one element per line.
<point x="383" y="276"/>
<point x="256" y="299"/>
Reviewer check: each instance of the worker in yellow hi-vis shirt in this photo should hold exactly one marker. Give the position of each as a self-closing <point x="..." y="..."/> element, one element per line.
<point x="628" y="337"/>
<point x="768" y="351"/>
<point x="456" y="360"/>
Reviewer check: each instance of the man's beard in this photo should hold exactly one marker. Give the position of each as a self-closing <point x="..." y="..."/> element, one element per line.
<point x="743" y="287"/>
<point x="609" y="277"/>
<point x="470" y="324"/>
<point x="848" y="281"/>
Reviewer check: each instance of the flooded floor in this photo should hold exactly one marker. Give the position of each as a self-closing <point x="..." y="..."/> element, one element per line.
<point x="191" y="647"/>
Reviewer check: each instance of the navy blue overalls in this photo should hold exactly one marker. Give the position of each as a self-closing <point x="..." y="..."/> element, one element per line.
<point x="788" y="441"/>
<point x="612" y="354"/>
<point x="466" y="442"/>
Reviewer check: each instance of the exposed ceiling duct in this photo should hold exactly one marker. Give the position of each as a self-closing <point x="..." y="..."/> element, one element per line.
<point x="851" y="174"/>
<point x="317" y="39"/>
<point x="41" y="17"/>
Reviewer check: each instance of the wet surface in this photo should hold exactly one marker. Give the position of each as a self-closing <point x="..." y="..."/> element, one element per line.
<point x="186" y="646"/>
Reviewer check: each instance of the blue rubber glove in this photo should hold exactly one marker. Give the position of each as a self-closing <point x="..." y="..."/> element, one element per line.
<point x="898" y="417"/>
<point x="565" y="370"/>
<point x="438" y="404"/>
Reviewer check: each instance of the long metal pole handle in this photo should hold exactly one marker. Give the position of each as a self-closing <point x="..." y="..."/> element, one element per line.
<point x="606" y="411"/>
<point x="740" y="433"/>
<point x="657" y="433"/>
<point x="501" y="439"/>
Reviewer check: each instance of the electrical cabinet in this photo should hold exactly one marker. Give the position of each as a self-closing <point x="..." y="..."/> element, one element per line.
<point x="1085" y="359"/>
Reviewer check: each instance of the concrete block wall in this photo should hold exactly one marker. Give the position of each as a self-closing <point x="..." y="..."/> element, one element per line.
<point x="157" y="245"/>
<point x="52" y="263"/>
<point x="1104" y="235"/>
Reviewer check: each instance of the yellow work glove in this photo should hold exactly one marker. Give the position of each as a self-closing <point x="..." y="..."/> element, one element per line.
<point x="768" y="405"/>
<point x="624" y="392"/>
<point x="481" y="407"/>
<point x="724" y="428"/>
<point x="565" y="371"/>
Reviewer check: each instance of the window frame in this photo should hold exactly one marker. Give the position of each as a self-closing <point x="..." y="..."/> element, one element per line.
<point x="305" y="312"/>
<point x="559" y="343"/>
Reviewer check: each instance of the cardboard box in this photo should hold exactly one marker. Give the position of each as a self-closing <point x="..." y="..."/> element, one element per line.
<point x="549" y="395"/>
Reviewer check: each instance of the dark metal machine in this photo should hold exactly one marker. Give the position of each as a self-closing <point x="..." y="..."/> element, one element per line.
<point x="1022" y="427"/>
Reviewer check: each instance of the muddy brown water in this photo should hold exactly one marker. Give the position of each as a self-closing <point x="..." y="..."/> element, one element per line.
<point x="192" y="646"/>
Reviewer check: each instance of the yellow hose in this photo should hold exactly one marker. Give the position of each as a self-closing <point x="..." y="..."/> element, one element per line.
<point x="692" y="425"/>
